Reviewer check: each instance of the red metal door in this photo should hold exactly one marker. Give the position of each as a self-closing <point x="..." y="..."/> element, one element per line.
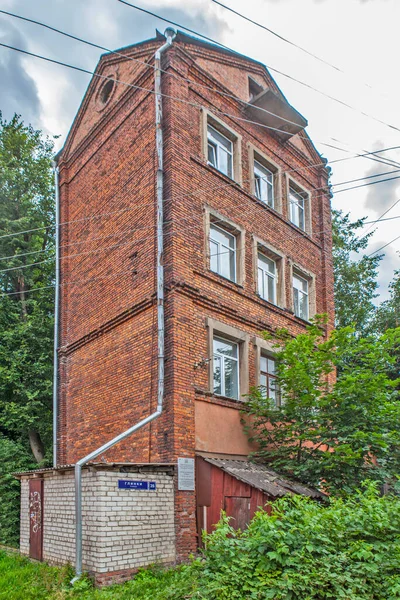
<point x="36" y="518"/>
<point x="239" y="509"/>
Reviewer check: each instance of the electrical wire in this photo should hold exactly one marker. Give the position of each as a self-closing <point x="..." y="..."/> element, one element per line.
<point x="268" y="67"/>
<point x="177" y="76"/>
<point x="151" y="91"/>
<point x="281" y="37"/>
<point x="208" y="189"/>
<point x="382" y="247"/>
<point x="130" y="230"/>
<point x="383" y="214"/>
<point x="137" y="241"/>
<point x="393" y="163"/>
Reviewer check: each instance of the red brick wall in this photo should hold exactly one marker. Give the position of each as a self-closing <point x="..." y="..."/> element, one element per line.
<point x="108" y="334"/>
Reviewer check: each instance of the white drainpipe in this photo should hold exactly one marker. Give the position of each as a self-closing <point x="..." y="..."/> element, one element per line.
<point x="56" y="314"/>
<point x="169" y="34"/>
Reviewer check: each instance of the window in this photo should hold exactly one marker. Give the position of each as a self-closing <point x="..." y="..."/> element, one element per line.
<point x="264" y="184"/>
<point x="267" y="278"/>
<point x="268" y="381"/>
<point x="226" y="368"/>
<point x="300" y="297"/>
<point x="222" y="252"/>
<point x="106" y="90"/>
<point x="297" y="208"/>
<point x="219" y="151"/>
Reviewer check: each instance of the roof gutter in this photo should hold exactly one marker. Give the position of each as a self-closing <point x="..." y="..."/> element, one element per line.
<point x="169" y="34"/>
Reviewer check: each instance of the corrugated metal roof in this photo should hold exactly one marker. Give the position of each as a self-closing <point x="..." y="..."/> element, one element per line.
<point x="98" y="465"/>
<point x="262" y="478"/>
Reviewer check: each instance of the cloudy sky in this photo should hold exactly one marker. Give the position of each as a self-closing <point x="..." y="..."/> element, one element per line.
<point x="358" y="37"/>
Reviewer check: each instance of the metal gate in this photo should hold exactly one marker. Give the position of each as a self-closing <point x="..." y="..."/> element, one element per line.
<point x="36" y="518"/>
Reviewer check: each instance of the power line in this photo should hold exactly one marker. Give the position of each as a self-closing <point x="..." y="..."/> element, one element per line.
<point x="268" y="67"/>
<point x="137" y="241"/>
<point x="383" y="214"/>
<point x="281" y="37"/>
<point x="386" y="161"/>
<point x="382" y="247"/>
<point x="137" y="87"/>
<point x="131" y="58"/>
<point x="355" y="187"/>
<point x="364" y="178"/>
<point x="100" y="215"/>
<point x="172" y="98"/>
<point x="177" y="76"/>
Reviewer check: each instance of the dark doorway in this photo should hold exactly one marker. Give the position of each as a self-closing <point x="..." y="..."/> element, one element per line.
<point x="36" y="518"/>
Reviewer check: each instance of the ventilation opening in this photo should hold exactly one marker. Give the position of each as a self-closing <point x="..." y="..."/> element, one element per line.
<point x="254" y="88"/>
<point x="106" y="90"/>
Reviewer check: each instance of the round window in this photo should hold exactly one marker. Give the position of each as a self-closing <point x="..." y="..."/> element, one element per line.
<point x="106" y="91"/>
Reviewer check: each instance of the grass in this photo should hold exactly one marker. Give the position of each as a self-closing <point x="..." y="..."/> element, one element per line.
<point x="22" y="579"/>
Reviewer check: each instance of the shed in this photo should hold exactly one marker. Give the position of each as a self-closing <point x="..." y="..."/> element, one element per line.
<point x="239" y="487"/>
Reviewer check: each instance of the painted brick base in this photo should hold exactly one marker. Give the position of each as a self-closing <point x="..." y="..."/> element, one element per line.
<point x="123" y="529"/>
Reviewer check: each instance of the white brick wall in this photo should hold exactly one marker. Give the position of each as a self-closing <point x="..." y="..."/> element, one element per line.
<point x="24" y="522"/>
<point x="122" y="529"/>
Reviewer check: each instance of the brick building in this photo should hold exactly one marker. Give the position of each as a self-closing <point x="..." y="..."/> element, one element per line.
<point x="247" y="248"/>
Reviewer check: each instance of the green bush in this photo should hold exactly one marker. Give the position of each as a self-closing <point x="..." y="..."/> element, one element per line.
<point x="349" y="549"/>
<point x="13" y="457"/>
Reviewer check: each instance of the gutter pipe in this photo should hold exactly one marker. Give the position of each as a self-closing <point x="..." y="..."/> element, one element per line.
<point x="56" y="312"/>
<point x="169" y="34"/>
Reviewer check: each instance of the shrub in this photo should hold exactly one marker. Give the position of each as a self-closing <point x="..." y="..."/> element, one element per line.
<point x="349" y="549"/>
<point x="13" y="457"/>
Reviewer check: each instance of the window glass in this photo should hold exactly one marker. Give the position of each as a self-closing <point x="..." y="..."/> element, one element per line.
<point x="297" y="208"/>
<point x="300" y="297"/>
<point x="222" y="252"/>
<point x="267" y="278"/>
<point x="268" y="382"/>
<point x="264" y="184"/>
<point x="219" y="151"/>
<point x="226" y="368"/>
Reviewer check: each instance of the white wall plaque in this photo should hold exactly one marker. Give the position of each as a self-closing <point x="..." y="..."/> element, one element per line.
<point x="186" y="474"/>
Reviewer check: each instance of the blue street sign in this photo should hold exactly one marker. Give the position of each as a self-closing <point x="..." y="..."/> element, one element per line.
<point x="133" y="484"/>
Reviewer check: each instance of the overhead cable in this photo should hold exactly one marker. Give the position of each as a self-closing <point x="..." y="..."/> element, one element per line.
<point x="307" y="85"/>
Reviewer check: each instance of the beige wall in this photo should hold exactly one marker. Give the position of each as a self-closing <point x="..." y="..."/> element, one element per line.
<point x="218" y="429"/>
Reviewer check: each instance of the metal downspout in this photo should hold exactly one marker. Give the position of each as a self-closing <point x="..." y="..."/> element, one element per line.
<point x="56" y="314"/>
<point x="169" y="34"/>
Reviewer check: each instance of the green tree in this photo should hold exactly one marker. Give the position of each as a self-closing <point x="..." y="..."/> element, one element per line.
<point x="387" y="315"/>
<point x="26" y="263"/>
<point x="338" y="432"/>
<point x="355" y="274"/>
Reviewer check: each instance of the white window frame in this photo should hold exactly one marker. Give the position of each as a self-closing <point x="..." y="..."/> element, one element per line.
<point x="300" y="291"/>
<point x="227" y="332"/>
<point x="262" y="172"/>
<point x="226" y="250"/>
<point x="257" y="157"/>
<point x="218" y="147"/>
<point x="269" y="376"/>
<point x="223" y="358"/>
<point x="297" y="204"/>
<point x="208" y="119"/>
<point x="272" y="253"/>
<point x="266" y="275"/>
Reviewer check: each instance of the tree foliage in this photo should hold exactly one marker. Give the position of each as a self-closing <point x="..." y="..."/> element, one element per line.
<point x="26" y="263"/>
<point x="355" y="274"/>
<point x="327" y="432"/>
<point x="348" y="550"/>
<point x="387" y="315"/>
